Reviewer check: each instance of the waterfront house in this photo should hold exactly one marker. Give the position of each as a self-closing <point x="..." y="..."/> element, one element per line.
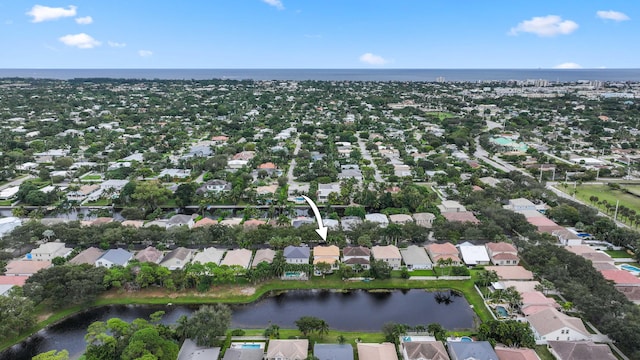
<point x="243" y="354"/>
<point x="296" y="254"/>
<point x="350" y="222"/>
<point x="473" y="255"/>
<point x="149" y="254"/>
<point x="551" y="324"/>
<point x="580" y="350"/>
<point x="263" y="255"/>
<point x="252" y="224"/>
<point x="208" y="255"/>
<point x="204" y="222"/>
<point x="180" y="220"/>
<point x="502" y="253"/>
<point x="49" y="251"/>
<point x="191" y="351"/>
<point x="289" y="349"/>
<point x="324" y="190"/>
<point x="25" y="267"/>
<point x="416" y="258"/>
<point x="356" y="255"/>
<point x="8" y="224"/>
<point x="327" y="254"/>
<point x="389" y="254"/>
<point x="383" y="351"/>
<point x="423" y="350"/>
<point x="476" y="350"/>
<point x="177" y="258"/>
<point x="87" y="256"/>
<point x="114" y="257"/>
<point x="238" y="257"/>
<point x="333" y="351"/>
<point x="446" y="251"/>
<point x="214" y="187"/>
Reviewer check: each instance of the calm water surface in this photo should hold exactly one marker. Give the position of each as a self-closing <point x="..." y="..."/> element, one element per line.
<point x="354" y="310"/>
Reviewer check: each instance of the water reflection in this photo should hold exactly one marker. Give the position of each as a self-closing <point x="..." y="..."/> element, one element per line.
<point x="358" y="310"/>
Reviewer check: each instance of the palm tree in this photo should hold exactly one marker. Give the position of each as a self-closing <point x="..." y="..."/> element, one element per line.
<point x="341" y="339"/>
<point x="323" y="328"/>
<point x="485" y="278"/>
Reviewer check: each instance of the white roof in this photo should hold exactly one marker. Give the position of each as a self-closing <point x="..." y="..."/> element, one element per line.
<point x="474" y="254"/>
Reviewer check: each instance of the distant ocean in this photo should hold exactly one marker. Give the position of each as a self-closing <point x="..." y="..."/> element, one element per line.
<point x="468" y="75"/>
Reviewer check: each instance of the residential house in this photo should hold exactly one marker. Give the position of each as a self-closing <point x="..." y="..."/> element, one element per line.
<point x="544" y="224"/>
<point x="25" y="267"/>
<point x="505" y="353"/>
<point x="356" y="255"/>
<point x="243" y="354"/>
<point x="580" y="350"/>
<point x="451" y="206"/>
<point x="424" y="350"/>
<point x="350" y="222"/>
<point x="332" y="224"/>
<point x="567" y="238"/>
<point x="9" y="193"/>
<point x="133" y="223"/>
<point x="263" y="255"/>
<point x="114" y="257"/>
<point x="506" y="273"/>
<point x="149" y="254"/>
<point x="400" y="219"/>
<point x="287" y="349"/>
<point x="238" y="257"/>
<point x="87" y="256"/>
<point x="208" y="255"/>
<point x="191" y="351"/>
<point x="473" y="255"/>
<point x="180" y="220"/>
<point x="502" y="253"/>
<point x="82" y="193"/>
<point x="214" y="187"/>
<point x="424" y="219"/>
<point x="520" y="204"/>
<point x="302" y="220"/>
<point x="551" y="324"/>
<point x="377" y="218"/>
<point x="296" y="254"/>
<point x="175" y="173"/>
<point x="416" y="258"/>
<point x="389" y="254"/>
<point x="324" y="190"/>
<point x="252" y="224"/>
<point x="236" y="164"/>
<point x="49" y="251"/>
<point x="9" y="282"/>
<point x="269" y="167"/>
<point x="244" y="155"/>
<point x="534" y="301"/>
<point x="177" y="258"/>
<point x="204" y="222"/>
<point x="476" y="350"/>
<point x="461" y="216"/>
<point x="113" y="185"/>
<point x="446" y="251"/>
<point x="625" y="282"/>
<point x="383" y="351"/>
<point x="8" y="224"/>
<point x="326" y="254"/>
<point x="333" y="351"/>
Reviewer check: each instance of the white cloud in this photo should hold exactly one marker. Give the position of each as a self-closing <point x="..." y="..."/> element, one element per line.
<point x="145" y="53"/>
<point x="275" y="3"/>
<point x="116" y="44"/>
<point x="550" y="25"/>
<point x="42" y="13"/>
<point x="568" y="65"/>
<point x="372" y="59"/>
<point x="81" y="41"/>
<point x="612" y="15"/>
<point x="84" y="20"/>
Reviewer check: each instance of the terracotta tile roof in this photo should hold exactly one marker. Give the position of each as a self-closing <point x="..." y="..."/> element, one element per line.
<point x="620" y="277"/>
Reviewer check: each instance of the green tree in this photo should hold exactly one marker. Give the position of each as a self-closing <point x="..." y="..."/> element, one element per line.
<point x="52" y="355"/>
<point x="509" y="332"/>
<point x="16" y="314"/>
<point x="207" y="324"/>
<point x="380" y="269"/>
<point x="150" y="194"/>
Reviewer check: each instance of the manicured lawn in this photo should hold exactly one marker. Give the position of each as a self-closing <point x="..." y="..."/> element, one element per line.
<point x="603" y="192"/>
<point x="422" y="273"/>
<point x="99" y="202"/>
<point x="619" y="254"/>
<point x="5" y="202"/>
<point x="91" y="177"/>
<point x="544" y="353"/>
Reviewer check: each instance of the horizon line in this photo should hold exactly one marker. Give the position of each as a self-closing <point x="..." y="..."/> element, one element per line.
<point x="302" y="68"/>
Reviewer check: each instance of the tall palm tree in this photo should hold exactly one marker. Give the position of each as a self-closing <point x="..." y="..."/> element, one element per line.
<point x="323" y="328"/>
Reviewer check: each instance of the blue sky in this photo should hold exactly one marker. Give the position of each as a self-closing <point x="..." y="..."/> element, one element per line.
<point x="320" y="34"/>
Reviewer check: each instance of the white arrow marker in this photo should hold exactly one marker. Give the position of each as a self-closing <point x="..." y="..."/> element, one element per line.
<point x="321" y="230"/>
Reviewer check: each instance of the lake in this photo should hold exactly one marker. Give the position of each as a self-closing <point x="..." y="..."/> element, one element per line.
<point x="357" y="310"/>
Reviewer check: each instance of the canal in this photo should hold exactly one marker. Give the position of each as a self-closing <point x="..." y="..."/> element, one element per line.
<point x="356" y="310"/>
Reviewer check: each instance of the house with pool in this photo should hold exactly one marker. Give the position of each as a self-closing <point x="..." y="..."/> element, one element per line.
<point x="551" y="324"/>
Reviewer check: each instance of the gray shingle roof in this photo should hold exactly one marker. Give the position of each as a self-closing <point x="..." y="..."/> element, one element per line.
<point x="296" y="252"/>
<point x="117" y="256"/>
<point x="478" y="350"/>
<point x="333" y="351"/>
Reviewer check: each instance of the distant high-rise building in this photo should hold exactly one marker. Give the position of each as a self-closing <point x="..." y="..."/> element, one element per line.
<point x="440" y="79"/>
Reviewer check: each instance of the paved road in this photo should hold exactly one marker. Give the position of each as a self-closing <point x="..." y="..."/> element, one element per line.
<point x="293" y="160"/>
<point x="16" y="182"/>
<point x="367" y="156"/>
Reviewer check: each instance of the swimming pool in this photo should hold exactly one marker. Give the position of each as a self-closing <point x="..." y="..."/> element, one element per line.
<point x="247" y="345"/>
<point x="630" y="268"/>
<point x="466" y="339"/>
<point x="502" y="311"/>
